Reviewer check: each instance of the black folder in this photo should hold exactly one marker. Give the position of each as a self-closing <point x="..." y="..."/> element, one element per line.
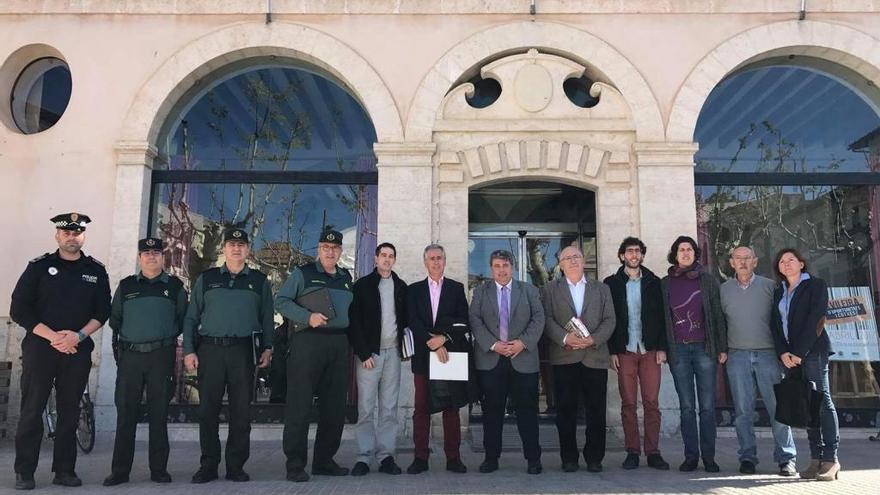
<point x="318" y="301"/>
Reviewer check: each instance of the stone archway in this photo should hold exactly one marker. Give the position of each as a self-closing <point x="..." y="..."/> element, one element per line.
<point x="832" y="42"/>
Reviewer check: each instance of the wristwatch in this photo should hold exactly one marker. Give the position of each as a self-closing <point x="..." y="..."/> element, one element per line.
<point x="82" y="335"/>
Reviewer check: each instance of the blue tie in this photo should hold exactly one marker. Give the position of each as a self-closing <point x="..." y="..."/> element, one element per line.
<point x="505" y="315"/>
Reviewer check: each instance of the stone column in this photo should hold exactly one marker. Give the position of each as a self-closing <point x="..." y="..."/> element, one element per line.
<point x="404" y="219"/>
<point x="134" y="165"/>
<point x="667" y="209"/>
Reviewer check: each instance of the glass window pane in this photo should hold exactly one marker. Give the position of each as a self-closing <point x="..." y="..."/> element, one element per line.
<point x="269" y="118"/>
<point x="784" y="119"/>
<point x="836" y="229"/>
<point x="41" y="94"/>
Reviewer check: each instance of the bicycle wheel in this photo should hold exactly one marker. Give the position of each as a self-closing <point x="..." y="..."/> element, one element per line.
<point x="50" y="415"/>
<point x="85" y="427"/>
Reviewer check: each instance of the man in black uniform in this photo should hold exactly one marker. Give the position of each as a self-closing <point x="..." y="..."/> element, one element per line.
<point x="60" y="300"/>
<point x="318" y="362"/>
<point x="228" y="306"/>
<point x="146" y="317"/>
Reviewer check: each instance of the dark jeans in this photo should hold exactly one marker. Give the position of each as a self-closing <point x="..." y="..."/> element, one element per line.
<point x="694" y="367"/>
<point x="136" y="371"/>
<point x="825" y="439"/>
<point x="43" y="367"/>
<point x="225" y="369"/>
<point x="317" y="365"/>
<point x="571" y="382"/>
<point x="496" y="385"/>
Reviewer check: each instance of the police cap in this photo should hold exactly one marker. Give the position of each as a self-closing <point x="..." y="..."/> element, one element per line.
<point x="71" y="221"/>
<point x="235" y="235"/>
<point x="331" y="236"/>
<point x="150" y="244"/>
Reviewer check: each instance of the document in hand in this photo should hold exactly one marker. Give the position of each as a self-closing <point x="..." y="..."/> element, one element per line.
<point x="455" y="369"/>
<point x="408" y="347"/>
<point x="577" y="327"/>
<point x="318" y="301"/>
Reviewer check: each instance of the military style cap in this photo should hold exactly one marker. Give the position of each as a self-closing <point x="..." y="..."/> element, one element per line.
<point x="150" y="244"/>
<point x="235" y="235"/>
<point x="331" y="236"/>
<point x="71" y="221"/>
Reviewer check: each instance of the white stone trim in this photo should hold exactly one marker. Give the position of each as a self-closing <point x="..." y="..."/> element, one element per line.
<point x="833" y="42"/>
<point x="579" y="45"/>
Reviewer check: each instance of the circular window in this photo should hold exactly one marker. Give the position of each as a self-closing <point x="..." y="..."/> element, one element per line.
<point x="41" y="94"/>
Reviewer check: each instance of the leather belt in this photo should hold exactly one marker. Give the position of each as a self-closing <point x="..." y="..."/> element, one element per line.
<point x="147" y="346"/>
<point x="224" y="341"/>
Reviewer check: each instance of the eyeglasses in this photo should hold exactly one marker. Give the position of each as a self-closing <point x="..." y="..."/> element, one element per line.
<point x="571" y="258"/>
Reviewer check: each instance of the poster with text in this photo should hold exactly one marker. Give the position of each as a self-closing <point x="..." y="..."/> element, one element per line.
<point x="851" y="324"/>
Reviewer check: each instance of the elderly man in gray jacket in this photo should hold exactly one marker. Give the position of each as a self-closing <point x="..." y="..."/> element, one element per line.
<point x="580" y="359"/>
<point x="507" y="321"/>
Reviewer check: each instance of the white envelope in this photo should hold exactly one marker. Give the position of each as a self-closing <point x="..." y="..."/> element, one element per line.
<point x="455" y="369"/>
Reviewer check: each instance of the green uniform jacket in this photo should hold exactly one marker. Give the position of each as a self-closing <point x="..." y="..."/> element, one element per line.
<point x="227" y="305"/>
<point x="309" y="278"/>
<point x="148" y="309"/>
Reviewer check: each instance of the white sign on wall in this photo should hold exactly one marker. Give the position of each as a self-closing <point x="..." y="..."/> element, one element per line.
<point x="851" y="324"/>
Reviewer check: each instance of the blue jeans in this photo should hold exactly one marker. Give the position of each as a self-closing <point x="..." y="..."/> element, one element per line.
<point x="745" y="369"/>
<point x="825" y="439"/>
<point x="692" y="365"/>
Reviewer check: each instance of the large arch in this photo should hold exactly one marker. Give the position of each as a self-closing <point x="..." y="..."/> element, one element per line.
<point x="545" y="36"/>
<point x="156" y="98"/>
<point x="843" y="45"/>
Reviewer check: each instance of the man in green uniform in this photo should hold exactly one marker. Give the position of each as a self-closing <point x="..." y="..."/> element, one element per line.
<point x="318" y="360"/>
<point x="146" y="317"/>
<point x="228" y="306"/>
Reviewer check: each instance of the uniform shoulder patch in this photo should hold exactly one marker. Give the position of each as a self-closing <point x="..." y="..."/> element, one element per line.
<point x="97" y="262"/>
<point x="40" y="257"/>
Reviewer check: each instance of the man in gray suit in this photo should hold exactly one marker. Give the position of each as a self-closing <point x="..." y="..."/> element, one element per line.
<point x="580" y="364"/>
<point x="507" y="320"/>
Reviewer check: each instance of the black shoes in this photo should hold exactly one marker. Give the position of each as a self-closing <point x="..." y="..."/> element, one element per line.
<point x="67" y="479"/>
<point x="360" y="469"/>
<point x="631" y="461"/>
<point x="535" y="467"/>
<point x="24" y="481"/>
<point x="329" y="469"/>
<point x="388" y="466"/>
<point x="787" y="469"/>
<point x="594" y="467"/>
<point x="656" y="461"/>
<point x="570" y="467"/>
<point x="747" y="467"/>
<point x="298" y="476"/>
<point x="115" y="479"/>
<point x="489" y="465"/>
<point x="689" y="464"/>
<point x="418" y="466"/>
<point x="456" y="466"/>
<point x="204" y="475"/>
<point x="711" y="466"/>
<point x="239" y="476"/>
<point x="160" y="477"/>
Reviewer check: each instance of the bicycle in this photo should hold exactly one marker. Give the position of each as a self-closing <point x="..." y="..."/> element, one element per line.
<point x="85" y="425"/>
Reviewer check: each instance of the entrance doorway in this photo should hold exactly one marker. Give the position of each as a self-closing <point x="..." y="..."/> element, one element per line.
<point x="534" y="220"/>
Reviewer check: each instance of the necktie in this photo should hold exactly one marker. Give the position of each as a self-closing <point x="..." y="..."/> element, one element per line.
<point x="505" y="315"/>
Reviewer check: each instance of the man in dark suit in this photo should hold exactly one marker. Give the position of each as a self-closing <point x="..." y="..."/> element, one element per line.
<point x="430" y="301"/>
<point x="507" y="321"/>
<point x="580" y="364"/>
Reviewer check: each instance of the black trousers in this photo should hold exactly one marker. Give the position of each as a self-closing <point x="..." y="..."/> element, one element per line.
<point x="573" y="381"/>
<point x="496" y="385"/>
<point x="317" y="365"/>
<point x="43" y="367"/>
<point x="225" y="369"/>
<point x="136" y="371"/>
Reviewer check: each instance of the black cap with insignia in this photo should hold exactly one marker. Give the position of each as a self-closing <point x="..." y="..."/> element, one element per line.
<point x="71" y="221"/>
<point x="331" y="236"/>
<point x="235" y="235"/>
<point x="150" y="244"/>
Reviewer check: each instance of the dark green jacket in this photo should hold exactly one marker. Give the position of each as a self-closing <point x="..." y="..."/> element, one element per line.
<point x="146" y="310"/>
<point x="309" y="278"/>
<point x="227" y="305"/>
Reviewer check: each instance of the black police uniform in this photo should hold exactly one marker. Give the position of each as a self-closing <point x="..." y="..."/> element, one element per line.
<point x="63" y="295"/>
<point x="146" y="317"/>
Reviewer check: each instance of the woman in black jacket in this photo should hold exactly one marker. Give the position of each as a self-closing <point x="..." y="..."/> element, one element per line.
<point x="800" y="302"/>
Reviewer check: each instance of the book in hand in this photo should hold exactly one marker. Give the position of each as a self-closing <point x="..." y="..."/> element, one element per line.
<point x="577" y="327"/>
<point x="407" y="347"/>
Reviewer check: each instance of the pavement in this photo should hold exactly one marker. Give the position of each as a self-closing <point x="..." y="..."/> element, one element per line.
<point x="859" y="457"/>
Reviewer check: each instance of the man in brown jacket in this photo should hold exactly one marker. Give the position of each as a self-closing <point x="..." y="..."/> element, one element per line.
<point x="580" y="364"/>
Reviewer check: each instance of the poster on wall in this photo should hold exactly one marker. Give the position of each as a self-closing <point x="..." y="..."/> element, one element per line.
<point x="851" y="324"/>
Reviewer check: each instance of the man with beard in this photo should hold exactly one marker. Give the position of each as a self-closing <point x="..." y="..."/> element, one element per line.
<point x="318" y="360"/>
<point x="638" y="348"/>
<point x="60" y="300"/>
